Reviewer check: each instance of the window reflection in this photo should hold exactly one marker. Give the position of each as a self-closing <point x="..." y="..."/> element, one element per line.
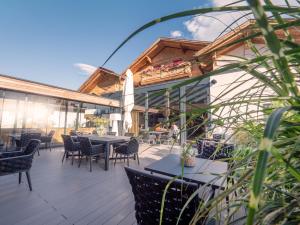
<point x="20" y="112"/>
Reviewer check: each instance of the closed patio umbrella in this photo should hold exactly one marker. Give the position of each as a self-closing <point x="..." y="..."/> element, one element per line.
<point x="128" y="100"/>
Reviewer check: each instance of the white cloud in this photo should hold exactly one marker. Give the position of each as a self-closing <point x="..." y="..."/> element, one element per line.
<point x="176" y="34"/>
<point x="87" y="69"/>
<point x="207" y="27"/>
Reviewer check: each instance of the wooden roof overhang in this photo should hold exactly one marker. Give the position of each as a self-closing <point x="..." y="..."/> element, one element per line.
<point x="92" y="81"/>
<point x="223" y="44"/>
<point x="30" y="87"/>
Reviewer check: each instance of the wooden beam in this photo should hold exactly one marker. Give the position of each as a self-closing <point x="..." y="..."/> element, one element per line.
<point x="19" y="85"/>
<point x="149" y="59"/>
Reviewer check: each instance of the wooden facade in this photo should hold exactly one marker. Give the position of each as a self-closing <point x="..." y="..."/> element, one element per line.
<point x="166" y="60"/>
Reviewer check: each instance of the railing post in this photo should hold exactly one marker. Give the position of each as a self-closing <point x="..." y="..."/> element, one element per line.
<point x="146" y="111"/>
<point x="182" y="106"/>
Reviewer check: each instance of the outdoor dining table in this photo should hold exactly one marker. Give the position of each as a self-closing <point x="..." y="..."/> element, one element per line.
<point x="204" y="172"/>
<point x="107" y="141"/>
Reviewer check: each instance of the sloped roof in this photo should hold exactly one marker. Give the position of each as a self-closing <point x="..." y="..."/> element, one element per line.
<point x="241" y="31"/>
<point x="160" y="44"/>
<point x="91" y="81"/>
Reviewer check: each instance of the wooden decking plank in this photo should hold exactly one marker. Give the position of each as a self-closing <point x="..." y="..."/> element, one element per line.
<point x="65" y="194"/>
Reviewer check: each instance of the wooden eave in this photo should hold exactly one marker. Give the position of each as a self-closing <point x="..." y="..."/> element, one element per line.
<point x="20" y="85"/>
<point x="159" y="45"/>
<point x="30" y="87"/>
<point x="243" y="30"/>
<point x="91" y="82"/>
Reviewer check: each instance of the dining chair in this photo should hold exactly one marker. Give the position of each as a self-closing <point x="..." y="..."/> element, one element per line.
<point x="47" y="139"/>
<point x="90" y="150"/>
<point x="19" y="161"/>
<point x="111" y="133"/>
<point x="25" y="139"/>
<point x="148" y="191"/>
<point x="71" y="147"/>
<point x="128" y="149"/>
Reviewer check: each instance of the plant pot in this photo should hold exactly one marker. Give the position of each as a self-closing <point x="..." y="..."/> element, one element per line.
<point x="189" y="161"/>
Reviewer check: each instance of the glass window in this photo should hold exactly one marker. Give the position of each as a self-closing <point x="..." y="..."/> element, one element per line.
<point x="73" y="110"/>
<point x="13" y="110"/>
<point x="36" y="113"/>
<point x="56" y="118"/>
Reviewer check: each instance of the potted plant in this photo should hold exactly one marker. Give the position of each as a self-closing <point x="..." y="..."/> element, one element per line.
<point x="188" y="156"/>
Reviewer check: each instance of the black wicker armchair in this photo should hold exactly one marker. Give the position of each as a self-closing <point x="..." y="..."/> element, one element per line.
<point x="90" y="150"/>
<point x="47" y="139"/>
<point x="214" y="150"/>
<point x="19" y="161"/>
<point x="71" y="147"/>
<point x="148" y="190"/>
<point x="25" y="139"/>
<point x="127" y="149"/>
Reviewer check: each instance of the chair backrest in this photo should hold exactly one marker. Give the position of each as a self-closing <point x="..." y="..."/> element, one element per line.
<point x="148" y="190"/>
<point x="133" y="146"/>
<point x="51" y="133"/>
<point x="32" y="147"/>
<point x="85" y="145"/>
<point x="73" y="133"/>
<point x="214" y="150"/>
<point x="68" y="142"/>
<point x="26" y="137"/>
<point x="111" y="133"/>
<point x="129" y="134"/>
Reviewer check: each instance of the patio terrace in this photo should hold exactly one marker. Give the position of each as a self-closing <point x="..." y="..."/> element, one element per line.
<point x="64" y="194"/>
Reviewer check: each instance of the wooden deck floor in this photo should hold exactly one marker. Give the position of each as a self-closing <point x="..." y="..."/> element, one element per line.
<point x="64" y="194"/>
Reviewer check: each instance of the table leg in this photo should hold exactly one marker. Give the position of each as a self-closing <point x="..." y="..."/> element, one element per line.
<point x="107" y="154"/>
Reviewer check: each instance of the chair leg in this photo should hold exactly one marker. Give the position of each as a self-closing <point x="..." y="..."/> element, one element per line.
<point x="90" y="163"/>
<point x="50" y="146"/>
<point x="72" y="158"/>
<point x="20" y="177"/>
<point x="116" y="156"/>
<point x="79" y="162"/>
<point x="62" y="161"/>
<point x="29" y="180"/>
<point x="127" y="160"/>
<point x="38" y="150"/>
<point x="138" y="159"/>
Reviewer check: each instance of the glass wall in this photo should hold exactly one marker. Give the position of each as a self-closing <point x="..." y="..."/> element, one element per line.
<point x="20" y="112"/>
<point x="93" y="118"/>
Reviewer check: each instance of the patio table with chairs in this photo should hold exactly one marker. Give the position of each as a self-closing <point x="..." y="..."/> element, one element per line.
<point x="107" y="141"/>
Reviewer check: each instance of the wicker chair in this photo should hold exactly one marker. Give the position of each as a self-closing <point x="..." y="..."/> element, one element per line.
<point x="214" y="150"/>
<point x="71" y="147"/>
<point x="111" y="133"/>
<point x="47" y="139"/>
<point x="95" y="132"/>
<point x="19" y="161"/>
<point x="25" y="139"/>
<point x="129" y="134"/>
<point x="128" y="149"/>
<point x="148" y="190"/>
<point x="89" y="150"/>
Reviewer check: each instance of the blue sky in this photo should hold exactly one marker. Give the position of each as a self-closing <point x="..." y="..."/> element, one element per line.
<point x="42" y="40"/>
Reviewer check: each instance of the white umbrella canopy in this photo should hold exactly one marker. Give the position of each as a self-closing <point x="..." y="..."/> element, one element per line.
<point x="128" y="100"/>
